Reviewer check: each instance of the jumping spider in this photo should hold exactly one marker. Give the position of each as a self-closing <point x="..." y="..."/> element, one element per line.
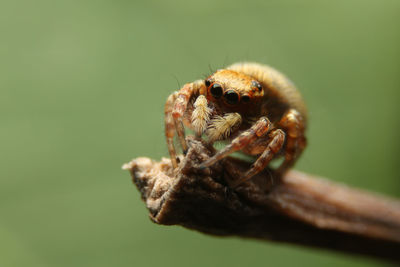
<point x="253" y="107"/>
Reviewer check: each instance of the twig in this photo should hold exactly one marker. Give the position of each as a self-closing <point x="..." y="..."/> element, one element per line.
<point x="296" y="208"/>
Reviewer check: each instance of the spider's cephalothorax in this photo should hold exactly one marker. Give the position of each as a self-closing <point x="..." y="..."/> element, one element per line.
<point x="252" y="106"/>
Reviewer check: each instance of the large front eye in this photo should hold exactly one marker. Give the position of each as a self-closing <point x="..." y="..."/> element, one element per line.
<point x="216" y="90"/>
<point x="231" y="97"/>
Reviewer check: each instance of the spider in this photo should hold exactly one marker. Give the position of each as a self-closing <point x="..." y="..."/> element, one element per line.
<point x="252" y="107"/>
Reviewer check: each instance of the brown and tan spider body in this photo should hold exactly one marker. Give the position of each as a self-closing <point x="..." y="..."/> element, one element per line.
<point x="252" y="106"/>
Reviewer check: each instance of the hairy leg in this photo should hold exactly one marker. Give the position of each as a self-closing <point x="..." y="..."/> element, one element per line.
<point x="170" y="127"/>
<point x="276" y="139"/>
<point x="292" y="123"/>
<point x="175" y="108"/>
<point x="180" y="105"/>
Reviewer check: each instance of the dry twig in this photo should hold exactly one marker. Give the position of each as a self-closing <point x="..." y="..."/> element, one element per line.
<point x="296" y="208"/>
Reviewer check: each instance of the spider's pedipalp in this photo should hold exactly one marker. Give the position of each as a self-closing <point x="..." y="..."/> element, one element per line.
<point x="200" y="115"/>
<point x="221" y="127"/>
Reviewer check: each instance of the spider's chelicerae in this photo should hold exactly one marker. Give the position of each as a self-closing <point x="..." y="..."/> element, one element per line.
<point x="253" y="107"/>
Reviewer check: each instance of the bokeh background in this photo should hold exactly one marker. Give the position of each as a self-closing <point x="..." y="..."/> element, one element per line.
<point x="82" y="89"/>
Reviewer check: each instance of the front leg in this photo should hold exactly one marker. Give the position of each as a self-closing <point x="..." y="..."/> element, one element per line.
<point x="276" y="139"/>
<point x="170" y="127"/>
<point x="257" y="130"/>
<point x="175" y="108"/>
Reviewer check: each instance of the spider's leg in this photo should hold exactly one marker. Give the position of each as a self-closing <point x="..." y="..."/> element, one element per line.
<point x="257" y="130"/>
<point x="170" y="127"/>
<point x="276" y="139"/>
<point x="175" y="108"/>
<point x="294" y="126"/>
<point x="180" y="105"/>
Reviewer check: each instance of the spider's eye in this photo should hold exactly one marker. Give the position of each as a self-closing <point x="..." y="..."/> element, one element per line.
<point x="231" y="97"/>
<point x="216" y="90"/>
<point x="245" y="98"/>
<point x="257" y="85"/>
<point x="207" y="82"/>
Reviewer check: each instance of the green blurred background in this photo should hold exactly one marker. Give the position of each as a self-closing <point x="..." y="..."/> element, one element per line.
<point x="82" y="88"/>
